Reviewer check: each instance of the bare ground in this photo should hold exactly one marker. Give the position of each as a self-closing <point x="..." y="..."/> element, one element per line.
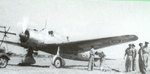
<point x="43" y="66"/>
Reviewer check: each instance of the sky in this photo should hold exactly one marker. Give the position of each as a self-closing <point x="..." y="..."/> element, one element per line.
<point x="79" y="19"/>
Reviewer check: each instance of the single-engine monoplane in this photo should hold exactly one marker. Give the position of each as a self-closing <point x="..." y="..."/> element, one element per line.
<point x="46" y="40"/>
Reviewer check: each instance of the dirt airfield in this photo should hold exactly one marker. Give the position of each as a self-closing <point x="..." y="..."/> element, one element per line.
<point x="43" y="66"/>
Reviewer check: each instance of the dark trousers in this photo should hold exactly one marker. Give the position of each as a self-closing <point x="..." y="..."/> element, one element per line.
<point x="133" y="64"/>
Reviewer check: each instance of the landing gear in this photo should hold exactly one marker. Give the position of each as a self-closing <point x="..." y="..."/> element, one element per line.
<point x="58" y="63"/>
<point x="29" y="59"/>
<point x="3" y="62"/>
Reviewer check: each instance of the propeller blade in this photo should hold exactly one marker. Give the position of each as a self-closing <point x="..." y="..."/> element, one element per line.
<point x="25" y="23"/>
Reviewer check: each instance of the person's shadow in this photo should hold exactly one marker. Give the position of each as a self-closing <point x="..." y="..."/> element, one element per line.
<point x="80" y="67"/>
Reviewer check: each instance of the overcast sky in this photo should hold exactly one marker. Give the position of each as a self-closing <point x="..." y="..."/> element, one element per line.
<point x="79" y="19"/>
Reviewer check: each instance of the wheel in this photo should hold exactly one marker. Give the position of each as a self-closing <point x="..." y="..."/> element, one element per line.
<point x="58" y="63"/>
<point x="3" y="62"/>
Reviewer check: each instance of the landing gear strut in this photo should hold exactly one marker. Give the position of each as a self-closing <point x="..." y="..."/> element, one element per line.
<point x="29" y="59"/>
<point x="58" y="61"/>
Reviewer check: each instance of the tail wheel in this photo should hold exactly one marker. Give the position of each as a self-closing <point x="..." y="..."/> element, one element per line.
<point x="3" y="62"/>
<point x="58" y="63"/>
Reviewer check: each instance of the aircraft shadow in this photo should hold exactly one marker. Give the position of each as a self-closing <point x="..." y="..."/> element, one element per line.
<point x="79" y="67"/>
<point x="44" y="66"/>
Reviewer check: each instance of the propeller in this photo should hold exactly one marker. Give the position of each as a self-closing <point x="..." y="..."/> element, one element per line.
<point x="25" y="23"/>
<point x="24" y="35"/>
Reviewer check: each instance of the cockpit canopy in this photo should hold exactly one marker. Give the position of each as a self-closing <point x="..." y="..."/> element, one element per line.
<point x="51" y="33"/>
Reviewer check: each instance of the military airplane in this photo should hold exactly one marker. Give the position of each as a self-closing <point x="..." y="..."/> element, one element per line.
<point x="45" y="40"/>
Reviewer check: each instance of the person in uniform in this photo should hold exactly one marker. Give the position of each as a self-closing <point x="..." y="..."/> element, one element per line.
<point x="145" y="57"/>
<point x="128" y="55"/>
<point x="140" y="57"/>
<point x="134" y="53"/>
<point x="102" y="58"/>
<point x="91" y="59"/>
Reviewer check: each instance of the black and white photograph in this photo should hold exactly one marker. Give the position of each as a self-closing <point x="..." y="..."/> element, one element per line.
<point x="74" y="36"/>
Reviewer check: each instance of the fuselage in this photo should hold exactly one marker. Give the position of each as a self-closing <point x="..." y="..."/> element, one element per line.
<point x="48" y="41"/>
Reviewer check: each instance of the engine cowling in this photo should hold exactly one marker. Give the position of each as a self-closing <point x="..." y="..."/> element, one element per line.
<point x="24" y="36"/>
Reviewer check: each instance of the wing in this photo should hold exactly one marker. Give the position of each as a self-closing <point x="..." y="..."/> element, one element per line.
<point x="81" y="46"/>
<point x="73" y="48"/>
<point x="97" y="43"/>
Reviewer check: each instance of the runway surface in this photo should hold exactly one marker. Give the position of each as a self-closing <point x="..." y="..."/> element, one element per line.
<point x="43" y="66"/>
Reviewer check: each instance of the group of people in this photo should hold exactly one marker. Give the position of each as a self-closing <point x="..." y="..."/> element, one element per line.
<point x="131" y="53"/>
<point x="91" y="63"/>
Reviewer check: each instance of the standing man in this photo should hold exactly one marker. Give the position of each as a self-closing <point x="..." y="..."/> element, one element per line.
<point x="91" y="59"/>
<point x="133" y="57"/>
<point x="145" y="57"/>
<point x="140" y="57"/>
<point x="128" y="55"/>
<point x="102" y="58"/>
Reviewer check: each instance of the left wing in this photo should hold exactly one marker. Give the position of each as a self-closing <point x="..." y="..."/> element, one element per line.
<point x="85" y="45"/>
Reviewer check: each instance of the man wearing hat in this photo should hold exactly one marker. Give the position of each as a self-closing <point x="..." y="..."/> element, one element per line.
<point x="134" y="52"/>
<point x="102" y="58"/>
<point x="140" y="57"/>
<point x="145" y="57"/>
<point x="128" y="55"/>
<point x="91" y="59"/>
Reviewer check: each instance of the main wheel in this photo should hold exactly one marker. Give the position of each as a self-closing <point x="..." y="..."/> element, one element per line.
<point x="3" y="62"/>
<point x="58" y="63"/>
